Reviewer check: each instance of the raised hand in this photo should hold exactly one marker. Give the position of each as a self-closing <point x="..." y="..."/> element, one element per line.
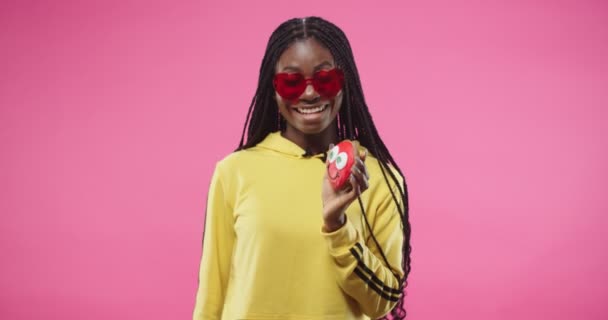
<point x="335" y="202"/>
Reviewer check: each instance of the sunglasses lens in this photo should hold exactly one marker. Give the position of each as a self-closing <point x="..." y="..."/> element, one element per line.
<point x="328" y="82"/>
<point x="289" y="85"/>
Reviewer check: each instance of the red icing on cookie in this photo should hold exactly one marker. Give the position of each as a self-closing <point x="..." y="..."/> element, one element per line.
<point x="341" y="158"/>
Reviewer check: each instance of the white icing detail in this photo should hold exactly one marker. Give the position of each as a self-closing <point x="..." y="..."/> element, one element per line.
<point x="333" y="153"/>
<point x="341" y="160"/>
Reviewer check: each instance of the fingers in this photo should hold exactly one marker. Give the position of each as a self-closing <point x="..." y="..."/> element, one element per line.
<point x="362" y="168"/>
<point x="356" y="185"/>
<point x="360" y="179"/>
<point x="360" y="175"/>
<point x="354" y="188"/>
<point x="345" y="197"/>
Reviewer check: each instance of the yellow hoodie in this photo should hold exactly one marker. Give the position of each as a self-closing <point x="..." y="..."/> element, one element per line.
<point x="265" y="256"/>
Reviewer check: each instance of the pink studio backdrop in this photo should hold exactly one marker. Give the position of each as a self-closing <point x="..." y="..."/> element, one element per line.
<point x="113" y="114"/>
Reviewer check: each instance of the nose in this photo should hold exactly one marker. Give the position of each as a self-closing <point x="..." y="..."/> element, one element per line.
<point x="310" y="96"/>
<point x="309" y="92"/>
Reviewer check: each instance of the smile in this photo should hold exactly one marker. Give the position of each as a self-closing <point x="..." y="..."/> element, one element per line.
<point x="333" y="178"/>
<point x="313" y="110"/>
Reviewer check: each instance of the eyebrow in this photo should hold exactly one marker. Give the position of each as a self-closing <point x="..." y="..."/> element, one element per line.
<point x="321" y="65"/>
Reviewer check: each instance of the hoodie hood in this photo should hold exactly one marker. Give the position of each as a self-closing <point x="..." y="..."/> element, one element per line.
<point x="276" y="142"/>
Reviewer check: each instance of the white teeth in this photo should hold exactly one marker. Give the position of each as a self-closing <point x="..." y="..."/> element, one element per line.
<point x="312" y="110"/>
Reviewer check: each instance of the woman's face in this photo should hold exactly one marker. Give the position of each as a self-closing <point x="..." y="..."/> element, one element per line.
<point x="307" y="57"/>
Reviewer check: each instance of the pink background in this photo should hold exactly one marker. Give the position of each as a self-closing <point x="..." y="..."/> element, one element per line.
<point x="113" y="114"/>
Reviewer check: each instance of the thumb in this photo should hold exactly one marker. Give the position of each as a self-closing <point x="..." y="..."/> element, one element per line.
<point x="363" y="154"/>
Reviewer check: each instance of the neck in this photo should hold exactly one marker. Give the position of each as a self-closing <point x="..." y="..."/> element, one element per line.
<point x="314" y="143"/>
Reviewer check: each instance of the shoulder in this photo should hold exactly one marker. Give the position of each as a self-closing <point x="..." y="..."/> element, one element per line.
<point x="234" y="160"/>
<point x="238" y="164"/>
<point x="226" y="170"/>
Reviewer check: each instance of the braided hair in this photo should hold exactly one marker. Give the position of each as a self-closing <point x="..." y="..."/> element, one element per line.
<point x="354" y="120"/>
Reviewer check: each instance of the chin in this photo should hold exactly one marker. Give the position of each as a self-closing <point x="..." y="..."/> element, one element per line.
<point x="310" y="130"/>
<point x="313" y="129"/>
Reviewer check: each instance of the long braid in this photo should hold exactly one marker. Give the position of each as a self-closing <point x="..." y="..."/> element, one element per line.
<point x="262" y="102"/>
<point x="337" y="42"/>
<point x="354" y="120"/>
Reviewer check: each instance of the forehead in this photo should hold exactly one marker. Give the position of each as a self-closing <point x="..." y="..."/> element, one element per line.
<point x="304" y="55"/>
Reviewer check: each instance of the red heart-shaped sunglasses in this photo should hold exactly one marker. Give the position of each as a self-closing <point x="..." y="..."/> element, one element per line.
<point x="326" y="82"/>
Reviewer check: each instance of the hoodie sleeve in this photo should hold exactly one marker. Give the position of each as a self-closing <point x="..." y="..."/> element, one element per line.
<point x="218" y="239"/>
<point x="361" y="271"/>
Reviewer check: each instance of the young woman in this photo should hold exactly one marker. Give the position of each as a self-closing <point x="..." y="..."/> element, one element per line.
<point x="279" y="241"/>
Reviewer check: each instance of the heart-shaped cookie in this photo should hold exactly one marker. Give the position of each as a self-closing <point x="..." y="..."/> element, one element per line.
<point x="341" y="158"/>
